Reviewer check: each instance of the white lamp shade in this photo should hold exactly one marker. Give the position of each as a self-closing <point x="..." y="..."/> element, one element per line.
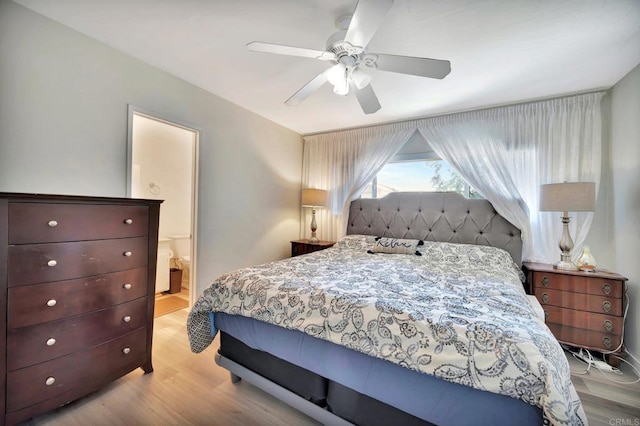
<point x="568" y="197"/>
<point x="314" y="197"/>
<point x="336" y="74"/>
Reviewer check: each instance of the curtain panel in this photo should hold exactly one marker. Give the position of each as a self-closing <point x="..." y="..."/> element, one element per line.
<point x="344" y="163"/>
<point x="506" y="153"/>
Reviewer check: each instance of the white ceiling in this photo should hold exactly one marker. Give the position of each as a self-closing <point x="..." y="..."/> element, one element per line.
<point x="501" y="51"/>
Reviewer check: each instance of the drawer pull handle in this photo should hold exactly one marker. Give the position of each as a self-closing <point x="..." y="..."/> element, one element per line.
<point x="51" y="302"/>
<point x="606" y="342"/>
<point x="50" y="381"/>
<point x="546" y="314"/>
<point x="128" y="221"/>
<point x="608" y="325"/>
<point x="545" y="297"/>
<point x="606" y="288"/>
<point x="52" y="263"/>
<point x="126" y="351"/>
<point x="606" y="306"/>
<point x="126" y="318"/>
<point x="127" y="254"/>
<point x="51" y="342"/>
<point x="52" y="223"/>
<point x="127" y="286"/>
<point x="545" y="281"/>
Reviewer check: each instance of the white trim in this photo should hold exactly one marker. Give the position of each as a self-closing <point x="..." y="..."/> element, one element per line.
<point x="134" y="110"/>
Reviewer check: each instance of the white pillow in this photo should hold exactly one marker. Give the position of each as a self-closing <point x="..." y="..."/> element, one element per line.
<point x="395" y="246"/>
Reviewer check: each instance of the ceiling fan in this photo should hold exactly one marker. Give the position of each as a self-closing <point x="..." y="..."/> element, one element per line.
<point x="346" y="50"/>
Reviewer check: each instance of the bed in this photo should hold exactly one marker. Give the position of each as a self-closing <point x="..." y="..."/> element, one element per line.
<point x="417" y="316"/>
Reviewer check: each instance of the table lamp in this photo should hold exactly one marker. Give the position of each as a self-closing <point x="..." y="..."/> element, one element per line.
<point x="314" y="198"/>
<point x="567" y="197"/>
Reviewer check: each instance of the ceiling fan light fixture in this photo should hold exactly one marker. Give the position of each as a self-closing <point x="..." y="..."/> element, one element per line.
<point x="341" y="87"/>
<point x="360" y="78"/>
<point x="336" y="74"/>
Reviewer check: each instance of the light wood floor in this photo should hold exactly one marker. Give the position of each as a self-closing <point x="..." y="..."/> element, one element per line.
<point x="190" y="389"/>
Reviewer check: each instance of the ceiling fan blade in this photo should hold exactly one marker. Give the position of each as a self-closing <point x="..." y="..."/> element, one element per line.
<point x="366" y="20"/>
<point x="423" y="67"/>
<point x="366" y="98"/>
<point x="307" y="89"/>
<point x="280" y="49"/>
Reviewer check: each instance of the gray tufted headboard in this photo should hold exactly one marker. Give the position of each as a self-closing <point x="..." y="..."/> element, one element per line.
<point x="435" y="216"/>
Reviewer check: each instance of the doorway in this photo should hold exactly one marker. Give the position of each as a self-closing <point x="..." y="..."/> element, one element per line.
<point x="162" y="161"/>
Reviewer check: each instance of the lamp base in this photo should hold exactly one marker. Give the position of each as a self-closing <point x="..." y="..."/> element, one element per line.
<point x="565" y="266"/>
<point x="314" y="226"/>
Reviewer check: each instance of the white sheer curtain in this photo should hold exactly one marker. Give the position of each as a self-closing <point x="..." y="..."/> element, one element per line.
<point x="344" y="163"/>
<point x="507" y="152"/>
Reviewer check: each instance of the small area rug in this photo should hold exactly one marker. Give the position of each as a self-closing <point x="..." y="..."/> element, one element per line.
<point x="168" y="304"/>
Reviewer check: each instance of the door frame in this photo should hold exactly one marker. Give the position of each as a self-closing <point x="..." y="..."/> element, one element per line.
<point x="133" y="110"/>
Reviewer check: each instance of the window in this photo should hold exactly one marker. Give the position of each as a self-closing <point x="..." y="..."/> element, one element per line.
<point x="418" y="175"/>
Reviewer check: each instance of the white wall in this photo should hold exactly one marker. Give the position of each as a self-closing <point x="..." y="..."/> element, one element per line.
<point x="63" y="129"/>
<point x="625" y="197"/>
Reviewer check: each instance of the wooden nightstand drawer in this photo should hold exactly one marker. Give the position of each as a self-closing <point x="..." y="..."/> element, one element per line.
<point x="579" y="301"/>
<point x="582" y="309"/>
<point x="40" y="263"/>
<point x="31" y="345"/>
<point x="579" y="284"/>
<point x="29" y="305"/>
<point x="48" y="223"/>
<point x="585" y="338"/>
<point x="580" y="319"/>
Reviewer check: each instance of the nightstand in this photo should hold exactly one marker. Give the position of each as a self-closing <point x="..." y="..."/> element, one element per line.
<point x="299" y="247"/>
<point x="583" y="309"/>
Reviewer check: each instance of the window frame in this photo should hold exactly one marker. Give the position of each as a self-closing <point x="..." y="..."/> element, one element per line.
<point x="422" y="156"/>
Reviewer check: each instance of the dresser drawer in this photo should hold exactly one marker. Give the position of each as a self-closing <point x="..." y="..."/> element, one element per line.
<point x="45" y="223"/>
<point x="585" y="338"/>
<point x="31" y="345"/>
<point x="579" y="301"/>
<point x="29" y="305"/>
<point x="579" y="284"/>
<point x="581" y="319"/>
<point x="40" y="263"/>
<point x="29" y="386"/>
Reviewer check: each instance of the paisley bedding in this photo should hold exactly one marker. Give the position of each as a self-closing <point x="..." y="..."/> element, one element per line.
<point x="457" y="312"/>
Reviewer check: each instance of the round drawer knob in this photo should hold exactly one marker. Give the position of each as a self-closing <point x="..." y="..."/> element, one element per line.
<point x="52" y="263"/>
<point x="545" y="281"/>
<point x="606" y="306"/>
<point x="52" y="223"/>
<point x="51" y="342"/>
<point x="126" y="318"/>
<point x="127" y="286"/>
<point x="126" y="351"/>
<point x="545" y="297"/>
<point x="128" y="221"/>
<point x="606" y="288"/>
<point x="608" y="325"/>
<point x="50" y="381"/>
<point x="606" y="342"/>
<point x="127" y="254"/>
<point x="51" y="302"/>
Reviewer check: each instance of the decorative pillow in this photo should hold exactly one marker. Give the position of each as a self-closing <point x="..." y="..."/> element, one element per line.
<point x="395" y="246"/>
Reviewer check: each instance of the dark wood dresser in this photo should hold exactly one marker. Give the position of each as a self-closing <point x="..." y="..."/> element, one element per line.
<point x="77" y="285"/>
<point x="299" y="247"/>
<point x="583" y="309"/>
